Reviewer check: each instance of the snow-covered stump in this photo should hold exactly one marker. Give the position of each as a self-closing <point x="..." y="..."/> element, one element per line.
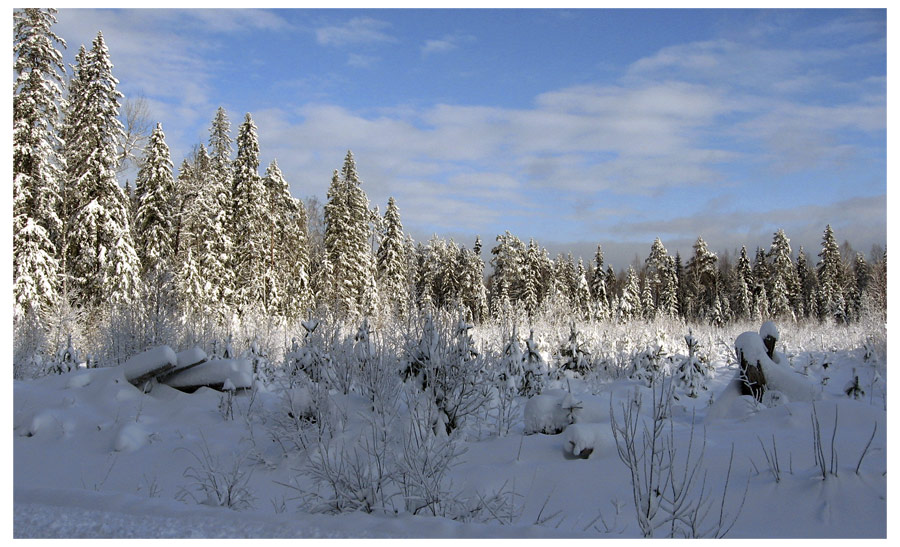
<point x="580" y="440"/>
<point x="751" y="351"/>
<point x="769" y="334"/>
<point x="143" y="367"/>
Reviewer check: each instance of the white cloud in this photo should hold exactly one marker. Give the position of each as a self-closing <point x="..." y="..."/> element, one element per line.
<point x="448" y="42"/>
<point x="359" y="30"/>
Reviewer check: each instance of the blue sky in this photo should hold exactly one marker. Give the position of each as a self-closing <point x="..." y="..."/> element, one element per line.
<point x="574" y="127"/>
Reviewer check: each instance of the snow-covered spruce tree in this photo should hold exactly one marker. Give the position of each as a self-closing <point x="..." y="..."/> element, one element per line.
<point x="648" y="309"/>
<point x="37" y="163"/>
<point x="347" y="242"/>
<point x="830" y="273"/>
<point x="598" y="287"/>
<point x="582" y="292"/>
<point x="212" y="236"/>
<point x="656" y="262"/>
<point x="742" y="281"/>
<point x="474" y="293"/>
<point x="154" y="218"/>
<point x="100" y="253"/>
<point x="509" y="268"/>
<point x="531" y="295"/>
<point x="806" y="278"/>
<point x="783" y="278"/>
<point x="702" y="286"/>
<point x="668" y="296"/>
<point x="862" y="277"/>
<point x="630" y="303"/>
<point x="286" y="247"/>
<point x="248" y="221"/>
<point x="390" y="263"/>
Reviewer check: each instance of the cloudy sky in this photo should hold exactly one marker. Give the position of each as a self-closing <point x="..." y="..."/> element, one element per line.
<point x="573" y="127"/>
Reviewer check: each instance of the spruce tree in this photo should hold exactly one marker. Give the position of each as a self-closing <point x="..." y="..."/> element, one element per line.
<point x="37" y="163"/>
<point x="783" y="278"/>
<point x="100" y="252"/>
<point x="630" y="303"/>
<point x="598" y="286"/>
<point x="347" y="242"/>
<point x="154" y="190"/>
<point x="829" y="271"/>
<point x="285" y="248"/>
<point x="390" y="263"/>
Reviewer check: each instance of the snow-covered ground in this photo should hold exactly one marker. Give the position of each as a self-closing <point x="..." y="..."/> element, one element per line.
<point x="96" y="457"/>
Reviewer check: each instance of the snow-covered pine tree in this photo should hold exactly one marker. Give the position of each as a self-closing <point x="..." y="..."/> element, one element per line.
<point x="783" y="278"/>
<point x="830" y="273"/>
<point x="390" y="263"/>
<point x="100" y="252"/>
<point x="598" y="287"/>
<point x="154" y="190"/>
<point x="37" y="163"/>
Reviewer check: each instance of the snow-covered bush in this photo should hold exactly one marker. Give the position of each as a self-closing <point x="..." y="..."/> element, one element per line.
<point x="218" y="483"/>
<point x="573" y="354"/>
<point x="443" y="362"/>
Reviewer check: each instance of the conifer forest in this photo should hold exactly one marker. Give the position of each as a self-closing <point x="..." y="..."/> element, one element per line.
<point x="199" y="353"/>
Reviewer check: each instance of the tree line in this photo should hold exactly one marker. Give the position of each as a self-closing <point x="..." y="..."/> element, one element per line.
<point x="218" y="241"/>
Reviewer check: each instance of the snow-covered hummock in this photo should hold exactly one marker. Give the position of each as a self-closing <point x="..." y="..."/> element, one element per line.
<point x="159" y="358"/>
<point x="548" y="412"/>
<point x="580" y="440"/>
<point x="215" y="372"/>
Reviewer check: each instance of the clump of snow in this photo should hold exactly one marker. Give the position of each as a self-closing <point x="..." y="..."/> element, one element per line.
<point x="768" y="329"/>
<point x="82" y="379"/>
<point x="190" y="357"/>
<point x="580" y="440"/>
<point x="749" y="345"/>
<point x="550" y="412"/>
<point x="215" y="373"/>
<point x="131" y="437"/>
<point x="148" y="361"/>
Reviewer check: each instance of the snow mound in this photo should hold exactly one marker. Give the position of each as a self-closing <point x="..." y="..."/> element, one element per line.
<point x="44" y="423"/>
<point x="131" y="437"/>
<point x="550" y="412"/>
<point x="749" y="345"/>
<point x="79" y="380"/>
<point x="580" y="440"/>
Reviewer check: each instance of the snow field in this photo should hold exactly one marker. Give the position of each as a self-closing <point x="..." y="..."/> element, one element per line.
<point x="89" y="445"/>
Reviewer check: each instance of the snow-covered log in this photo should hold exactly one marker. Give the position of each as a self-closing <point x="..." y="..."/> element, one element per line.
<point x="147" y="365"/>
<point x="213" y="374"/>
